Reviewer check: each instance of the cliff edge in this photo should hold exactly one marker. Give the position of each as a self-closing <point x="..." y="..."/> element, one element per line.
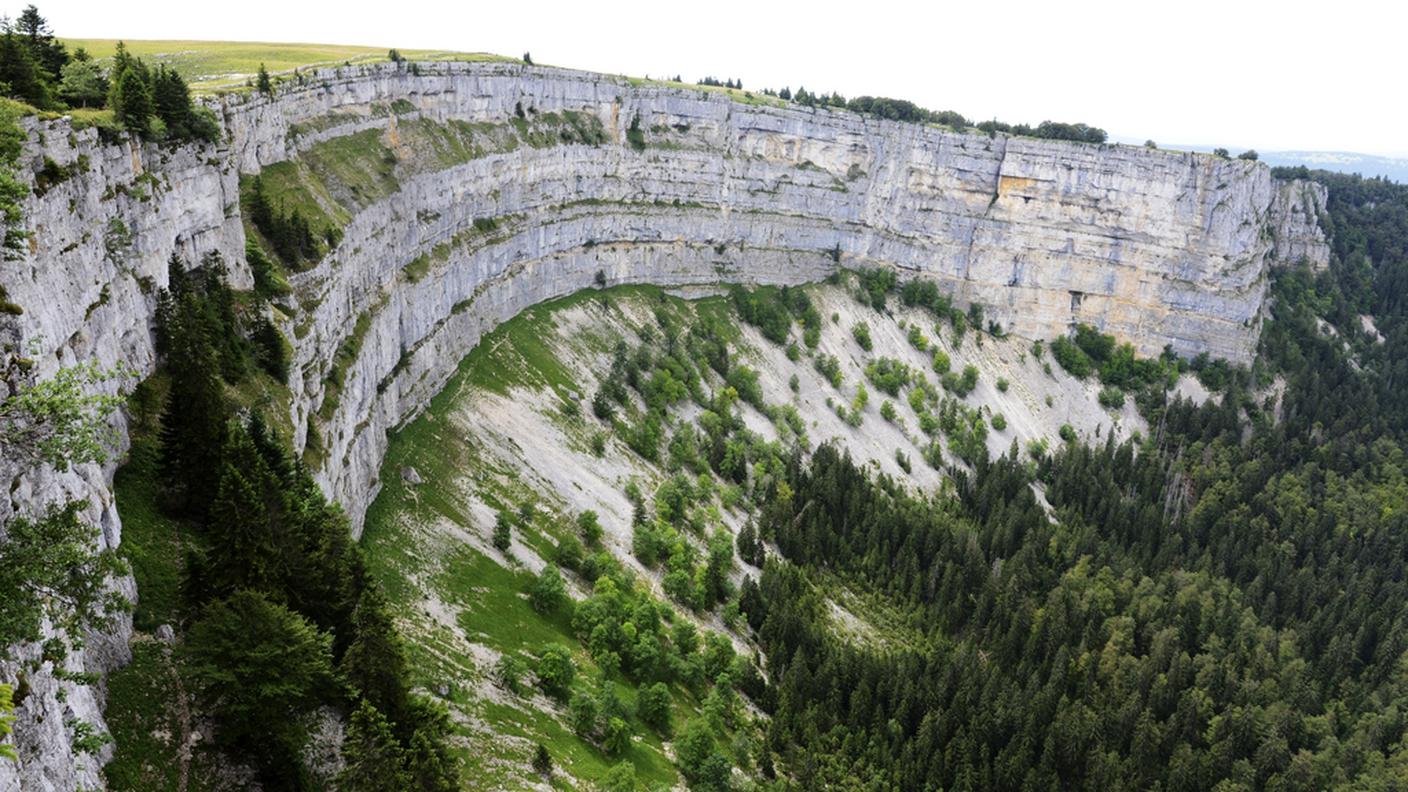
<point x="463" y="193"/>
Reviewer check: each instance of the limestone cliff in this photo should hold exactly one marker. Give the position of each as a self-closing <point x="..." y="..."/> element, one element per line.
<point x="688" y="186"/>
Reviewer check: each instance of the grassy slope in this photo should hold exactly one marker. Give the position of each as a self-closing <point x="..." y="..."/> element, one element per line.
<point x="485" y="596"/>
<point x="458" y="605"/>
<point x="212" y="64"/>
<point x="144" y="712"/>
<point x="147" y="712"/>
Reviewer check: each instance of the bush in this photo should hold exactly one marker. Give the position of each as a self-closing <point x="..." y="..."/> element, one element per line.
<point x="508" y="673"/>
<point x="941" y="362"/>
<point x="653" y="705"/>
<point x="999" y="422"/>
<point x="962" y="385"/>
<point x="875" y="284"/>
<point x="1072" y="358"/>
<point x="556" y="671"/>
<point x="829" y="367"/>
<point x="861" y="332"/>
<point x="1068" y="433"/>
<point x="888" y="374"/>
<point x="1002" y="384"/>
<point x="1111" y="397"/>
<point x="590" y="527"/>
<point x="503" y="532"/>
<point x="548" y="593"/>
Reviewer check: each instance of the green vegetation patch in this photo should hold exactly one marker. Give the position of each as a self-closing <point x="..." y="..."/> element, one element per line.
<point x="208" y="65"/>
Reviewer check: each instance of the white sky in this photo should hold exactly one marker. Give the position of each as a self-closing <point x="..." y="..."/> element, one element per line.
<point x="1287" y="75"/>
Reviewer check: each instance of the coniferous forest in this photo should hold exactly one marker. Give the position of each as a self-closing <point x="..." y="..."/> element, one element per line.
<point x="1219" y="605"/>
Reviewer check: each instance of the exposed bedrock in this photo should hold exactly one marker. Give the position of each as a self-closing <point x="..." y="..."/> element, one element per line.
<point x="689" y="187"/>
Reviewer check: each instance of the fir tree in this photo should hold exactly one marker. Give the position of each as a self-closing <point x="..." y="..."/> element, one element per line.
<point x="374" y="759"/>
<point x="542" y="761"/>
<point x="258" y="667"/>
<point x="250" y="543"/>
<point x="375" y="663"/>
<point x="131" y="100"/>
<point x="264" y="83"/>
<point x="172" y="102"/>
<point x="193" y="422"/>
<point x="21" y="73"/>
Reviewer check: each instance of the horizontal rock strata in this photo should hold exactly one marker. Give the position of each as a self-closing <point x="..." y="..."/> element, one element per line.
<point x="688" y="187"/>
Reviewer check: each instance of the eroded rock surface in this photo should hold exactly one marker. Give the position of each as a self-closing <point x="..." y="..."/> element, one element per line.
<point x="689" y="187"/>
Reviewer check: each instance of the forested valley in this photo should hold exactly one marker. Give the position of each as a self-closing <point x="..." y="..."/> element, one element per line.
<point x="1220" y="604"/>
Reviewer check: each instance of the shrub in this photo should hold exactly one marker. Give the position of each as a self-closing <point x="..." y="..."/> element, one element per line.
<point x="556" y="671"/>
<point x="1071" y="357"/>
<point x="503" y="532"/>
<point x="941" y="362"/>
<point x="999" y="422"/>
<point x="830" y="368"/>
<point x="547" y="593"/>
<point x="861" y="332"/>
<point x="888" y="374"/>
<point x="1111" y="397"/>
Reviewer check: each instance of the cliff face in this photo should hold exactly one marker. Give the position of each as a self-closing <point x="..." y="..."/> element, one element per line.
<point x="1158" y="248"/>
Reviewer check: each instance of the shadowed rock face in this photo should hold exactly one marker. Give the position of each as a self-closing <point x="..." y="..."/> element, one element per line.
<point x="689" y="187"/>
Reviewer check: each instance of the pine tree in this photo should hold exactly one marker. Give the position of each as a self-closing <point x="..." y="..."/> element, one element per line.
<point x="428" y="758"/>
<point x="131" y="100"/>
<point x="330" y="571"/>
<point x="264" y="83"/>
<point x="374" y="759"/>
<point x="21" y="73"/>
<point x="172" y="102"/>
<point x="247" y="524"/>
<point x="193" y="422"/>
<point x="48" y="52"/>
<point x="542" y="761"/>
<point x="273" y="350"/>
<point x="375" y="662"/>
<point x="258" y="667"/>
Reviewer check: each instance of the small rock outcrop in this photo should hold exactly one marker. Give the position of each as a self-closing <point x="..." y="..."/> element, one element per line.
<point x="686" y="187"/>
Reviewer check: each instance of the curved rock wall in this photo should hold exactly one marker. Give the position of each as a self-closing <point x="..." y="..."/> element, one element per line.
<point x="1156" y="247"/>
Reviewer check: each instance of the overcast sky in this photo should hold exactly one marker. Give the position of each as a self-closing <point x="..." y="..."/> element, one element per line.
<point x="1285" y="75"/>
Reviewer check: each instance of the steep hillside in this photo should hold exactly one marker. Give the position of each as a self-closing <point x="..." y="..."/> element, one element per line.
<point x="403" y="211"/>
<point x="518" y="430"/>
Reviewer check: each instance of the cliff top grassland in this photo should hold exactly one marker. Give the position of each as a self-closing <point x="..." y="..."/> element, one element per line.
<point x="213" y="65"/>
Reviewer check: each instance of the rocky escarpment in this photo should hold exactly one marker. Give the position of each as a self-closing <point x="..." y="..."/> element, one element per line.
<point x="687" y="186"/>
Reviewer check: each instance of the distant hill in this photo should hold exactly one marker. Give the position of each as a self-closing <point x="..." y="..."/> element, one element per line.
<point x="1392" y="168"/>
